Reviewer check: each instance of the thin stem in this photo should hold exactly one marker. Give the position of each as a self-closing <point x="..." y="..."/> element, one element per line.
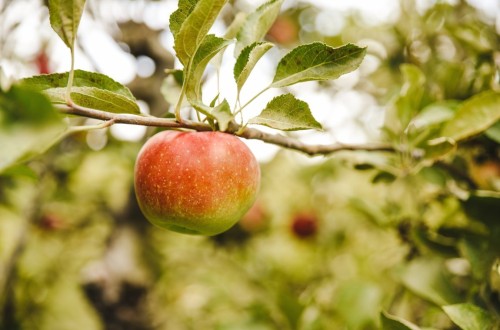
<point x="71" y="75"/>
<point x="179" y="103"/>
<point x="252" y="99"/>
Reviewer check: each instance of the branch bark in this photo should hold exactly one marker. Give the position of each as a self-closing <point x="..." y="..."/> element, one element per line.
<point x="234" y="128"/>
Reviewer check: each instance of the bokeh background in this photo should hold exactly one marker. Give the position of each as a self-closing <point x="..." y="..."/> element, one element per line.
<point x="331" y="241"/>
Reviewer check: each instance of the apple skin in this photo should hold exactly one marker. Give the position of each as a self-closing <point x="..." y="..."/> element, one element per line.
<point x="195" y="182"/>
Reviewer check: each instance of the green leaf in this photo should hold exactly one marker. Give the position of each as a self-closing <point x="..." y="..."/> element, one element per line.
<point x="391" y="322"/>
<point x="475" y="115"/>
<point x="65" y="17"/>
<point x="317" y="61"/>
<point x="427" y="278"/>
<point x="90" y="89"/>
<point x="190" y="24"/>
<point x="469" y="317"/>
<point x="257" y="24"/>
<point x="29" y="125"/>
<point x="407" y="103"/>
<point x="210" y="47"/>
<point x="221" y="113"/>
<point x="247" y="60"/>
<point x="435" y="114"/>
<point x="494" y="132"/>
<point x="438" y="148"/>
<point x="286" y="113"/>
<point x="235" y="26"/>
<point x="185" y="7"/>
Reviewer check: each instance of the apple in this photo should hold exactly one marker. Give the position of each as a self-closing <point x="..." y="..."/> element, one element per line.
<point x="304" y="225"/>
<point x="284" y="30"/>
<point x="195" y="182"/>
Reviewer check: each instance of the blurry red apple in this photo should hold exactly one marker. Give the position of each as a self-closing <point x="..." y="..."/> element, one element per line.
<point x="195" y="182"/>
<point x="305" y="225"/>
<point x="284" y="30"/>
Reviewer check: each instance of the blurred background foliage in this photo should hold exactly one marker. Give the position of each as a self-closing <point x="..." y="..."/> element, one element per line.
<point x="331" y="241"/>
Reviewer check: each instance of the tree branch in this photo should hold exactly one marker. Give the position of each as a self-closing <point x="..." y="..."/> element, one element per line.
<point x="234" y="128"/>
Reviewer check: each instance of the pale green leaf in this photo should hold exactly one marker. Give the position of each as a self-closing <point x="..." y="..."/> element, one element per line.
<point x="286" y="113"/>
<point x="391" y="322"/>
<point x="438" y="148"/>
<point x="192" y="25"/>
<point x="184" y="9"/>
<point x="210" y="47"/>
<point x="235" y="26"/>
<point x="257" y="24"/>
<point x="435" y="114"/>
<point x="317" y="61"/>
<point x="247" y="60"/>
<point x="475" y="115"/>
<point x="65" y="17"/>
<point x="428" y="279"/>
<point x="406" y="104"/>
<point x="469" y="317"/>
<point x="494" y="132"/>
<point x="29" y="125"/>
<point x="91" y="90"/>
<point x="81" y="79"/>
<point x="221" y="113"/>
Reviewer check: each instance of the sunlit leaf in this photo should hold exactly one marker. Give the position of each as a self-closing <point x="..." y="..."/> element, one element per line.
<point x="235" y="26"/>
<point x="92" y="90"/>
<point x="317" y="61"/>
<point x="29" y="125"/>
<point x="428" y="279"/>
<point x="247" y="60"/>
<point x="475" y="115"/>
<point x="65" y="17"/>
<point x="391" y="322"/>
<point x="185" y="7"/>
<point x="191" y="23"/>
<point x="435" y="114"/>
<point x="469" y="317"/>
<point x="494" y="132"/>
<point x="286" y="113"/>
<point x="406" y="105"/>
<point x="210" y="47"/>
<point x="256" y="25"/>
<point x="81" y="79"/>
<point x="221" y="113"/>
<point x="438" y="148"/>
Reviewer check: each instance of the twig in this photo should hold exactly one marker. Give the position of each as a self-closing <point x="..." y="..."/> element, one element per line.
<point x="234" y="128"/>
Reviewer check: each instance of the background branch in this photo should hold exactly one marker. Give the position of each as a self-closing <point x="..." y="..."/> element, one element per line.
<point x="235" y="129"/>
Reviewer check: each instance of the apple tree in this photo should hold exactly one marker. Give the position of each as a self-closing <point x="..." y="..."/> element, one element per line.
<point x="401" y="231"/>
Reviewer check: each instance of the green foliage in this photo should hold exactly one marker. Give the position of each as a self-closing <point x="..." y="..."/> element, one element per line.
<point x="29" y="125"/>
<point x="474" y="116"/>
<point x="190" y="24"/>
<point x="210" y="47"/>
<point x="391" y="322"/>
<point x="65" y="17"/>
<point x="90" y="89"/>
<point x="469" y="317"/>
<point x="286" y="113"/>
<point x="256" y="25"/>
<point x="247" y="60"/>
<point x="317" y="61"/>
